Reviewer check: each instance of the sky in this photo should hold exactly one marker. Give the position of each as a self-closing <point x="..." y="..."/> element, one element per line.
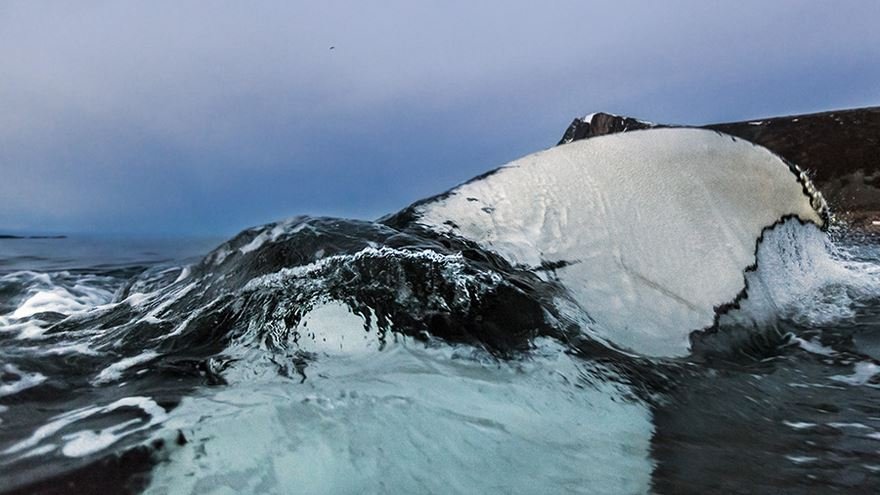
<point x="186" y="118"/>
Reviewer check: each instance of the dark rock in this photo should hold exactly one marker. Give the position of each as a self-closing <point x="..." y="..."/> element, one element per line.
<point x="599" y="124"/>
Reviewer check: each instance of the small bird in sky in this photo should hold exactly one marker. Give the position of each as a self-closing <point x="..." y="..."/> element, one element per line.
<point x="332" y="47"/>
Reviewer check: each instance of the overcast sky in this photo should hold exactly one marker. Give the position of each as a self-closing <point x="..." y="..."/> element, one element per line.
<point x="207" y="117"/>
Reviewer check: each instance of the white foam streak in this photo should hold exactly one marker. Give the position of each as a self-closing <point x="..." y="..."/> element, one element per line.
<point x="57" y="292"/>
<point x="25" y="380"/>
<point x="282" y="228"/>
<point x="114" y="371"/>
<point x="89" y="441"/>
<point x="862" y="373"/>
<point x="454" y="261"/>
<point x="57" y="300"/>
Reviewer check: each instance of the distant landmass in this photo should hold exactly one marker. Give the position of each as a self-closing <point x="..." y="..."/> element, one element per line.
<point x="8" y="236"/>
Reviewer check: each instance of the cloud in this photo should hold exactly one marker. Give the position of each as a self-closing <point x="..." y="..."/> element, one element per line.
<point x="187" y="116"/>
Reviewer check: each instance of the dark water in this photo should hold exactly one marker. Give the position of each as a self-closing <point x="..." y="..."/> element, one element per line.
<point x="325" y="355"/>
<point x="97" y="254"/>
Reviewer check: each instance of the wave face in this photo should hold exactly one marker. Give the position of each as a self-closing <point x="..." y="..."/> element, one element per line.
<point x="559" y="324"/>
<point x="649" y="232"/>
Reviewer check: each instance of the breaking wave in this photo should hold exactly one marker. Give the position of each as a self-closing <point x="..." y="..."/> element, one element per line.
<point x="538" y="319"/>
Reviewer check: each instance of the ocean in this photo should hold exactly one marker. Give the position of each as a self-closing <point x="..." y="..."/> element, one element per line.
<point x="577" y="321"/>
